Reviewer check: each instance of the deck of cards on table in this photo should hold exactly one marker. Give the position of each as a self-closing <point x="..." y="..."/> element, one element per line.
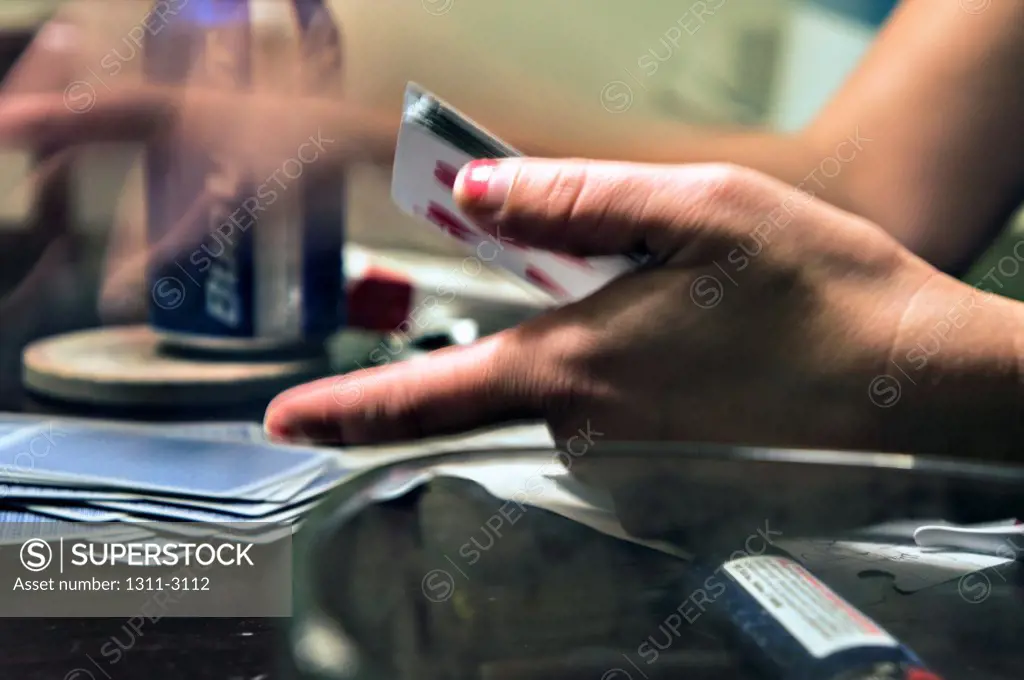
<point x="180" y="475"/>
<point x="434" y="142"/>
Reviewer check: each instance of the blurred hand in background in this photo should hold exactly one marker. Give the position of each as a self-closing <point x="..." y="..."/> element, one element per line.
<point x="52" y="106"/>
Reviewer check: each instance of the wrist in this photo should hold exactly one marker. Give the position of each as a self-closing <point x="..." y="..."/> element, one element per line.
<point x="953" y="383"/>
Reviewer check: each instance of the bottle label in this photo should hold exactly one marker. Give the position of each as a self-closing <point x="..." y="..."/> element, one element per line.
<point x="251" y="259"/>
<point x="323" y="193"/>
<point x="810" y="611"/>
<point x="202" y="274"/>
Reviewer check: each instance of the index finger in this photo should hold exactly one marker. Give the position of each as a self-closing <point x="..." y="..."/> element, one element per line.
<point x="593" y="208"/>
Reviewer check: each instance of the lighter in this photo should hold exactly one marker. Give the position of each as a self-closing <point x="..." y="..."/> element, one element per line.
<point x="794" y="627"/>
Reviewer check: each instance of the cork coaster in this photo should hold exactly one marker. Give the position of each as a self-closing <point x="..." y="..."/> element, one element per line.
<point x="126" y="365"/>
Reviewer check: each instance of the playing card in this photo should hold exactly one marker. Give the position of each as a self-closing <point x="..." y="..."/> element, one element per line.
<point x="320" y="485"/>
<point x="285" y="491"/>
<point x="167" y="465"/>
<point x="46" y="433"/>
<point x="273" y="495"/>
<point x="171" y="527"/>
<point x="17" y="526"/>
<point x="140" y="518"/>
<point x="76" y="513"/>
<point x="269" y="500"/>
<point x="7" y="428"/>
<point x="176" y="512"/>
<point x="250" y="532"/>
<point x="231" y="431"/>
<point x="227" y="432"/>
<point x="434" y="142"/>
<point x="22" y="492"/>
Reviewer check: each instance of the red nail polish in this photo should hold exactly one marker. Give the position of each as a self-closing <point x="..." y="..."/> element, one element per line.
<point x="280" y="432"/>
<point x="476" y="179"/>
<point x="307" y="432"/>
<point x="483" y="186"/>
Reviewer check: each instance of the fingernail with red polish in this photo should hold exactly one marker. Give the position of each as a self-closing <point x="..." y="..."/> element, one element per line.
<point x="483" y="186"/>
<point x="307" y="433"/>
<point x="278" y="432"/>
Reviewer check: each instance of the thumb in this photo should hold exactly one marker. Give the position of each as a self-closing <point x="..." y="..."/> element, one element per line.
<point x="593" y="207"/>
<point x="448" y="391"/>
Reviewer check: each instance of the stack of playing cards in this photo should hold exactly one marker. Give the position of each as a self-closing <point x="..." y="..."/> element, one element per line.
<point x="435" y="141"/>
<point x="217" y="474"/>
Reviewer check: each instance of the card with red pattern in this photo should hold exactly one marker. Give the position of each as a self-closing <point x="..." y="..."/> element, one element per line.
<point x="434" y="142"/>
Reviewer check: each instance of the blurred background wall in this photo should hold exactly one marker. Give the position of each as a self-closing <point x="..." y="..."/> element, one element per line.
<point x="574" y="64"/>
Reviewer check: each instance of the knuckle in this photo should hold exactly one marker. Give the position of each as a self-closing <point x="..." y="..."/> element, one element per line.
<point x="729" y="184"/>
<point x="729" y="201"/>
<point x="542" y="359"/>
<point x="701" y="204"/>
<point x="566" y="189"/>
<point x="573" y="377"/>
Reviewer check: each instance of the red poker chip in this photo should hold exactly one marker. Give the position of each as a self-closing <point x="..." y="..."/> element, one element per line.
<point x="380" y="300"/>
<point x="921" y="674"/>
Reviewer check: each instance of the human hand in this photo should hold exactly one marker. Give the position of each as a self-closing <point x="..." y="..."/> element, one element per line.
<point x="61" y="96"/>
<point x="769" y="320"/>
<point x="149" y="115"/>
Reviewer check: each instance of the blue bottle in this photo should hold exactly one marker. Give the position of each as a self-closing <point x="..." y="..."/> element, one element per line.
<point x="260" y="263"/>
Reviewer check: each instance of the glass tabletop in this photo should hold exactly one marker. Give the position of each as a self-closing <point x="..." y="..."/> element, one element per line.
<point x="452" y="566"/>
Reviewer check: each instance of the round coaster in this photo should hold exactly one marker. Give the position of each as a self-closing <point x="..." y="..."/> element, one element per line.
<point x="125" y="365"/>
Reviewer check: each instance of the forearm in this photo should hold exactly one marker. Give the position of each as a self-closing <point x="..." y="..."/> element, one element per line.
<point x="936" y="110"/>
<point x="372" y="136"/>
<point x="789" y="158"/>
